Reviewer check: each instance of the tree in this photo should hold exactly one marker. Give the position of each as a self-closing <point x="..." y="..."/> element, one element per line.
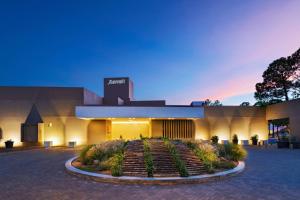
<point x="296" y="61"/>
<point x="209" y="102"/>
<point x="245" y="104"/>
<point x="281" y="80"/>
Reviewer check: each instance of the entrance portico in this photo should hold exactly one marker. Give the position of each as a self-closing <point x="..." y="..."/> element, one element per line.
<point x="130" y="122"/>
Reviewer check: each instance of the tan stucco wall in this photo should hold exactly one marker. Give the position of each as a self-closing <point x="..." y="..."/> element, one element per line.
<point x="11" y="129"/>
<point x="97" y="130"/>
<point x="130" y="129"/>
<point x="57" y="108"/>
<point x="59" y="130"/>
<point x="225" y="121"/>
<point x="55" y="105"/>
<point x="289" y="110"/>
<point x="202" y="129"/>
<point x="156" y="128"/>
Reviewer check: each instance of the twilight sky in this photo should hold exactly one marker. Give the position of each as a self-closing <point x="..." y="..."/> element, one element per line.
<point x="175" y="50"/>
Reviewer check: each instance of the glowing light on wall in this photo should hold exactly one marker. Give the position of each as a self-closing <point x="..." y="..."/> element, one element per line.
<point x="55" y="141"/>
<point x="15" y="137"/>
<point x="198" y="136"/>
<point x="130" y="122"/>
<point x="86" y="118"/>
<point x="222" y="136"/>
<point x="261" y="136"/>
<point x="77" y="140"/>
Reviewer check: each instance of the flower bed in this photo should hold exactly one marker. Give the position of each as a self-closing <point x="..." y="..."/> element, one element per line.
<point x="217" y="157"/>
<point x="106" y="157"/>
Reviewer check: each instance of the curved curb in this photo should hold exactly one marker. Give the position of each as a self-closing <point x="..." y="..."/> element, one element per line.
<point x="153" y="180"/>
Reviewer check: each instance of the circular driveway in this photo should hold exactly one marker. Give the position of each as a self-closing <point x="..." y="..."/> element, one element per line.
<point x="40" y="174"/>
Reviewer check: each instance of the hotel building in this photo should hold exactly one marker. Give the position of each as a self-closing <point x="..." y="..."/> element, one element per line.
<point x="60" y="115"/>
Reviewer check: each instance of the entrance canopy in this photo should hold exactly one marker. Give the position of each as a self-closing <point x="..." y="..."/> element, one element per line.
<point x="102" y="112"/>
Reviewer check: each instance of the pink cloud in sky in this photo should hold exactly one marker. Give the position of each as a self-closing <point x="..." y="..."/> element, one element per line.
<point x="248" y="46"/>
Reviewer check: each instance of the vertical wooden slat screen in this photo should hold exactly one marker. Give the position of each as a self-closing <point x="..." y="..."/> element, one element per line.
<point x="178" y="129"/>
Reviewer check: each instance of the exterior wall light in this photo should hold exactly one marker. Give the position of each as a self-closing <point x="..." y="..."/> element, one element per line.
<point x="72" y="144"/>
<point x="130" y="122"/>
<point x="48" y="144"/>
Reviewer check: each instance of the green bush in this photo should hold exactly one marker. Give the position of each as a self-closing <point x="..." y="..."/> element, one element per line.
<point x="116" y="164"/>
<point x="180" y="165"/>
<point x="235" y="139"/>
<point x="232" y="152"/>
<point x="205" y="152"/>
<point x="83" y="155"/>
<point x="105" y="150"/>
<point x="105" y="156"/>
<point x="215" y="139"/>
<point x="105" y="165"/>
<point x="148" y="158"/>
<point x="254" y="139"/>
<point x="224" y="164"/>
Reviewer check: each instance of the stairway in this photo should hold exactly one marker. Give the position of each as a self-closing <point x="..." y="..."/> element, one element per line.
<point x="162" y="159"/>
<point x="133" y="164"/>
<point x="192" y="162"/>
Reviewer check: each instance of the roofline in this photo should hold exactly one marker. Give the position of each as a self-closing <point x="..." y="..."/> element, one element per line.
<point x="37" y="87"/>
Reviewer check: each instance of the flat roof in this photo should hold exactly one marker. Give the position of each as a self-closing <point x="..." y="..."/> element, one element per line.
<point x="100" y="112"/>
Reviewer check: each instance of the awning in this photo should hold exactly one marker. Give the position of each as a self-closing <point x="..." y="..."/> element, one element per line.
<point x="102" y="112"/>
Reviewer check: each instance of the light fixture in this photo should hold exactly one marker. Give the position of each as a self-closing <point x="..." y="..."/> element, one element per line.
<point x="48" y="144"/>
<point x="130" y="122"/>
<point x="72" y="144"/>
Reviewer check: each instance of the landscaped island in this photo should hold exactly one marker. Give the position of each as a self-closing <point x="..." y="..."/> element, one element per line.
<point x="159" y="157"/>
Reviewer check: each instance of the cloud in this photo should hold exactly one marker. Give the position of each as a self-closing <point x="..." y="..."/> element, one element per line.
<point x="246" y="48"/>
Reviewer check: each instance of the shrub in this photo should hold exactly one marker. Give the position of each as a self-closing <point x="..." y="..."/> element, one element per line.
<point x="232" y="152"/>
<point x="215" y="139"/>
<point x="235" y="139"/>
<point x="116" y="164"/>
<point x="148" y="159"/>
<point x="224" y="164"/>
<point x="254" y="139"/>
<point x="105" y="156"/>
<point x="82" y="155"/>
<point x="105" y="150"/>
<point x="105" y="165"/>
<point x="180" y="165"/>
<point x="206" y="152"/>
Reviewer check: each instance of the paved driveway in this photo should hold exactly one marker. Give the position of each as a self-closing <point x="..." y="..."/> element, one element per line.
<point x="39" y="174"/>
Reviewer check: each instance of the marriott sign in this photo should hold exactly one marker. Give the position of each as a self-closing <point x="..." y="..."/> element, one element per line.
<point x="116" y="82"/>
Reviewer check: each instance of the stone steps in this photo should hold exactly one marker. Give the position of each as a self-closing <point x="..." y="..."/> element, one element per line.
<point x="133" y="164"/>
<point x="162" y="160"/>
<point x="164" y="165"/>
<point x="192" y="162"/>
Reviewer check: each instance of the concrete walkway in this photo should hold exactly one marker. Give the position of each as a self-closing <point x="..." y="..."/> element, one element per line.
<point x="40" y="174"/>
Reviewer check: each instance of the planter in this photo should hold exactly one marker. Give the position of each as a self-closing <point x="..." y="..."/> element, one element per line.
<point x="283" y="144"/>
<point x="9" y="144"/>
<point x="254" y="142"/>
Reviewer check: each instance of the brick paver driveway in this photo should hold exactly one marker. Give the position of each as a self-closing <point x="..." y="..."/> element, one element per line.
<point x="40" y="174"/>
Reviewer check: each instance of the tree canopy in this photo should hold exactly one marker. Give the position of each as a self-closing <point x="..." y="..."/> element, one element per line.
<point x="246" y="103"/>
<point x="209" y="102"/>
<point x="281" y="80"/>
